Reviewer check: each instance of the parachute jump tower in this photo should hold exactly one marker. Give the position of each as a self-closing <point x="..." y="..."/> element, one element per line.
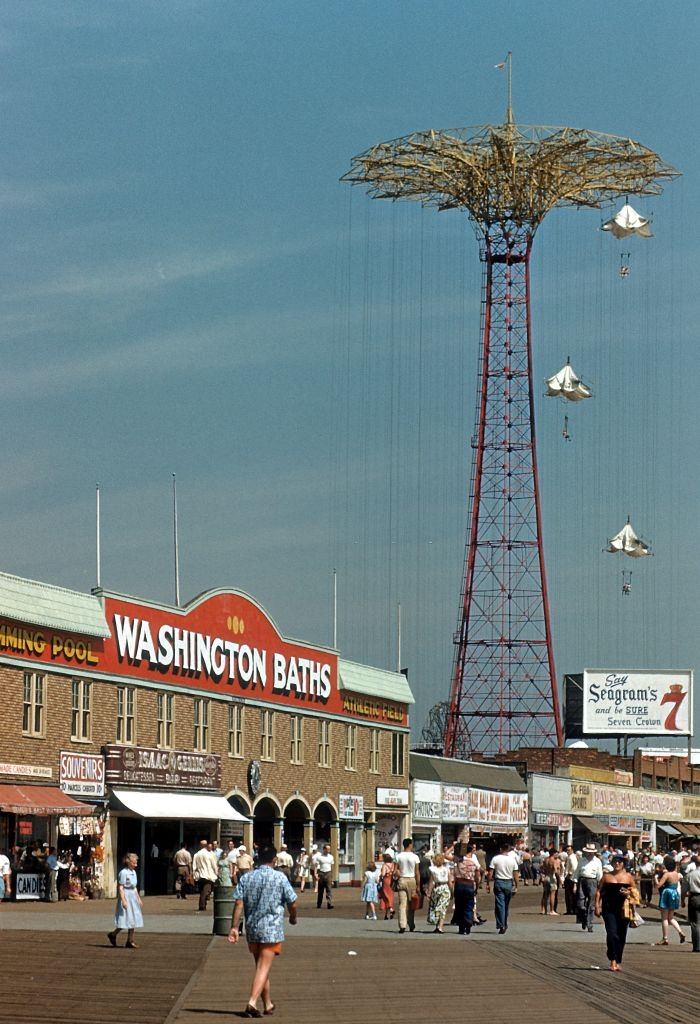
<point x="506" y="178"/>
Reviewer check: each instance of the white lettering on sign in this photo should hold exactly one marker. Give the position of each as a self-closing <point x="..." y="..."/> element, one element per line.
<point x="187" y="651"/>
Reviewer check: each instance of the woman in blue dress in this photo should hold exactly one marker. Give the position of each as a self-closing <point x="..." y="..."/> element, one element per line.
<point x="668" y="885"/>
<point x="128" y="913"/>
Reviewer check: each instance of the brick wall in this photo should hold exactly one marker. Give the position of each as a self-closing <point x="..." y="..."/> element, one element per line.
<point x="280" y="777"/>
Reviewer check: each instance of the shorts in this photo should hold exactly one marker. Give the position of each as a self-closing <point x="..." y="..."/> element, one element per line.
<point x="256" y="947"/>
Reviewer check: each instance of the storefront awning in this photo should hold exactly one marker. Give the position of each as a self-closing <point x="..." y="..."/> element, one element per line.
<point x="688" y="829"/>
<point x="193" y="806"/>
<point x="40" y="801"/>
<point x="593" y="825"/>
<point x="668" y="829"/>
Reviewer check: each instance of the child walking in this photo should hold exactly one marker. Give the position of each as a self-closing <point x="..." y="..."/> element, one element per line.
<point x="370" y="891"/>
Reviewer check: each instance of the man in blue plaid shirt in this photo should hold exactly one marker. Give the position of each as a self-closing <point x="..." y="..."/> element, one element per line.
<point x="262" y="895"/>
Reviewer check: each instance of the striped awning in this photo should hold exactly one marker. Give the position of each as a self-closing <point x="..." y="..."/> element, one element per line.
<point x="41" y="801"/>
<point x="593" y="825"/>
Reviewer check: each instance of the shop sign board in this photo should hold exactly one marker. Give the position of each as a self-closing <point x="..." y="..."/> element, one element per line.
<point x="351" y="808"/>
<point x="602" y="801"/>
<point x="169" y="769"/>
<point x="624" y="823"/>
<point x="489" y="807"/>
<point x="455" y="803"/>
<point x="33" y="771"/>
<point x="223" y="642"/>
<point x="29" y="887"/>
<point x="551" y="820"/>
<point x="637" y="703"/>
<point x="389" y="797"/>
<point x="691" y="809"/>
<point x="387" y="830"/>
<point x="81" y="774"/>
<point x="427" y="802"/>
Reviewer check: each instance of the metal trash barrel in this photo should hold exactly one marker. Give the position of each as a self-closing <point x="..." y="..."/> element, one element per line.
<point x="223" y="909"/>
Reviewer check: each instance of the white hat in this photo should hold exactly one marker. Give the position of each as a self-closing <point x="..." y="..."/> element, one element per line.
<point x="241" y="848"/>
<point x="314" y="846"/>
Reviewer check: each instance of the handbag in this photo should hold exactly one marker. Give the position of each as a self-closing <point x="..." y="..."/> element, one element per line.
<point x="395" y="882"/>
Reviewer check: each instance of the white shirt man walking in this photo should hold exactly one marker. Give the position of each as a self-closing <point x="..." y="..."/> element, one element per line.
<point x="324" y="871"/>
<point x="588" y="874"/>
<point x="205" y="867"/>
<point x="503" y="871"/>
<point x="408" y="871"/>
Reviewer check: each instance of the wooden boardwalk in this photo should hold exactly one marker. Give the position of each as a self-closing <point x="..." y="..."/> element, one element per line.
<point x="425" y="979"/>
<point x="77" y="978"/>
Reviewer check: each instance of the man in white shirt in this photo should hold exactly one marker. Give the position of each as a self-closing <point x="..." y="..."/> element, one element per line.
<point x="5" y="877"/>
<point x="324" y="872"/>
<point x="407" y="868"/>
<point x="205" y="867"/>
<point x="284" y="862"/>
<point x="588" y="874"/>
<point x="690" y="893"/>
<point x="503" y="871"/>
<point x="570" y="866"/>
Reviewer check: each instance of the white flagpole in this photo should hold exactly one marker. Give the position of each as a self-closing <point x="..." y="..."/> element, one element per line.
<point x="176" y="545"/>
<point x="97" y="536"/>
<point x="335" y="609"/>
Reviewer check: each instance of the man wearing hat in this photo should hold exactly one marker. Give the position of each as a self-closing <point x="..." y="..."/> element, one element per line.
<point x="588" y="874"/>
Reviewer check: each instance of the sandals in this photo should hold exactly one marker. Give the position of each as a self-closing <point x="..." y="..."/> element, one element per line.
<point x="270" y="1010"/>
<point x="664" y="942"/>
<point x="130" y="945"/>
<point x="251" y="1011"/>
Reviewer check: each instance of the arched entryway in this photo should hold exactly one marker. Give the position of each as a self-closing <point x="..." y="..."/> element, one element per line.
<point x="296" y="814"/>
<point x="324" y="816"/>
<point x="236" y="830"/>
<point x="265" y="814"/>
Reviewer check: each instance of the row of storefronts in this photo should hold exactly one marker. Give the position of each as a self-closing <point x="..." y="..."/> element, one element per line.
<point x="579" y="811"/>
<point x="135" y="726"/>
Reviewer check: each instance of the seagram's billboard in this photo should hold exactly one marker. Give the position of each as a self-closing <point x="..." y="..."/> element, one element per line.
<point x="637" y="703"/>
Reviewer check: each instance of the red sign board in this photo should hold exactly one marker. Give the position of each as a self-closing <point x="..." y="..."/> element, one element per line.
<point x="222" y="643"/>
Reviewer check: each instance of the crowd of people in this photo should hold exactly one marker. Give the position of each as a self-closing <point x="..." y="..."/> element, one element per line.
<point x="65" y="874"/>
<point x="607" y="883"/>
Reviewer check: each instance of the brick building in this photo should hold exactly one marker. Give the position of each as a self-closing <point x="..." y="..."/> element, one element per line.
<point x="135" y="725"/>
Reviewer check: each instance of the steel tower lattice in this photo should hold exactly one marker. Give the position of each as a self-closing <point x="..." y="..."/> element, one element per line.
<point x="506" y="177"/>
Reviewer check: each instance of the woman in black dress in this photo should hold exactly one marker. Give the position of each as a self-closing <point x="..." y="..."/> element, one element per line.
<point x="613" y="890"/>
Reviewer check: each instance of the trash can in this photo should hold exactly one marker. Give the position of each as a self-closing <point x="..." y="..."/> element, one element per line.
<point x="223" y="909"/>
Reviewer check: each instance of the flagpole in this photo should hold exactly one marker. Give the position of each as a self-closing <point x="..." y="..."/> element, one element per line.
<point x="176" y="547"/>
<point x="98" y="555"/>
<point x="335" y="609"/>
<point x="509" y="67"/>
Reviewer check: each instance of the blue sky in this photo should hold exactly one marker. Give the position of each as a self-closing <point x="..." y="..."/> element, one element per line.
<point x="188" y="288"/>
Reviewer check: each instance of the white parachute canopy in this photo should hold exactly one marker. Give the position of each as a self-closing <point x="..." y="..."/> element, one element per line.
<point x="628" y="222"/>
<point x="628" y="543"/>
<point x="566" y="384"/>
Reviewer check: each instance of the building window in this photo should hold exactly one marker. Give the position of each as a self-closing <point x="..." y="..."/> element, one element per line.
<point x="201" y="724"/>
<point x="296" y="737"/>
<point x="164" y="711"/>
<point x="235" y="730"/>
<point x="126" y="714"/>
<point x="267" y="735"/>
<point x="398" y="753"/>
<point x="33" y="705"/>
<point x="374" y="751"/>
<point x="351" y="748"/>
<point x="324" y="743"/>
<point x="80" y="709"/>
